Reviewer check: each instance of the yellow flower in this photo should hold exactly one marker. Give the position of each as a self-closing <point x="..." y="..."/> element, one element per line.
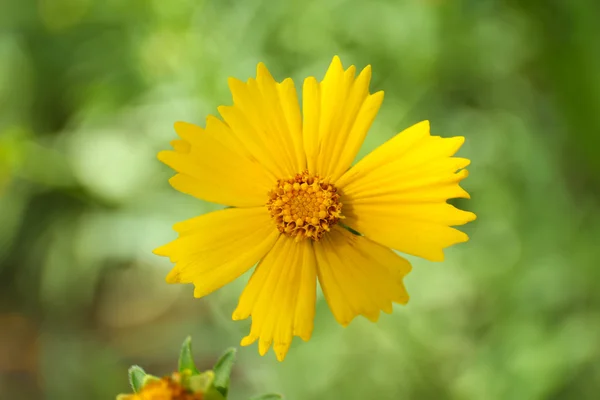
<point x="164" y="389"/>
<point x="287" y="177"/>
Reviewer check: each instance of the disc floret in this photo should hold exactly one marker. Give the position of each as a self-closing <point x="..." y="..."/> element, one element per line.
<point x="305" y="206"/>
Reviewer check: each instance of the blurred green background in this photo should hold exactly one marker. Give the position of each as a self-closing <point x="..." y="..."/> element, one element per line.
<point x="89" y="92"/>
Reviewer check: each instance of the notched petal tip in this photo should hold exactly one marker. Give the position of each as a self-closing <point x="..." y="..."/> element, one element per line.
<point x="305" y="336"/>
<point x="335" y="66"/>
<point x="281" y="350"/>
<point x="178" y="125"/>
<point x="460" y="193"/>
<point x="303" y="331"/>
<point x="174" y="182"/>
<point x="462" y="237"/>
<point x="310" y="83"/>
<point x="351" y="71"/>
<point x="464" y="162"/>
<point x="264" y="346"/>
<point x="425" y="124"/>
<point x="173" y="276"/>
<point x="161" y="251"/>
<point x="451" y="144"/>
<point x="373" y="317"/>
<point x="199" y="291"/>
<point x="405" y="299"/>
<point x="460" y="139"/>
<point x="438" y="258"/>
<point x="343" y="322"/>
<point x="181" y="146"/>
<point x="226" y="113"/>
<point x="237" y="315"/>
<point x="263" y="74"/>
<point x="462" y="174"/>
<point x="163" y="155"/>
<point x="261" y="67"/>
<point x="470" y="216"/>
<point x="437" y="255"/>
<point x="248" y="340"/>
<point x="378" y="97"/>
<point x="233" y="82"/>
<point x="236" y="87"/>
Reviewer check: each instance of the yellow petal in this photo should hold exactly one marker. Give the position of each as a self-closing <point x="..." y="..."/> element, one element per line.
<point x="359" y="276"/>
<point x="212" y="165"/>
<point x="181" y="146"/>
<point x="280" y="297"/>
<point x="214" y="249"/>
<point x="397" y="195"/>
<point x="338" y="112"/>
<point x="311" y="110"/>
<point x="266" y="114"/>
<point x="293" y="119"/>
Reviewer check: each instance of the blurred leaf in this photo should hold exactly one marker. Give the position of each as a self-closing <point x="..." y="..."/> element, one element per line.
<point x="223" y="370"/>
<point x="186" y="359"/>
<point x="268" y="396"/>
<point x="136" y="378"/>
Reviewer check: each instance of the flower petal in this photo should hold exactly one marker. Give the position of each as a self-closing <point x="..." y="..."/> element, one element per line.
<point x="181" y="146"/>
<point x="266" y="114"/>
<point x="359" y="276"/>
<point x="213" y="165"/>
<point x="338" y="112"/>
<point x="397" y="194"/>
<point x="280" y="297"/>
<point x="215" y="248"/>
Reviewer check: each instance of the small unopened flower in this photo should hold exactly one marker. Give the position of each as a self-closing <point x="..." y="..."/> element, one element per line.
<point x="168" y="388"/>
<point x="187" y="383"/>
<point x="299" y="209"/>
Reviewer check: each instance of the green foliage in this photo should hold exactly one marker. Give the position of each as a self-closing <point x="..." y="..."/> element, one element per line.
<point x="186" y="358"/>
<point x="223" y="369"/>
<point x="137" y="376"/>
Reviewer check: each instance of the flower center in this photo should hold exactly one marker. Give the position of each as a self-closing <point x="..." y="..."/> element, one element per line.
<point x="304" y="206"/>
<point x="167" y="388"/>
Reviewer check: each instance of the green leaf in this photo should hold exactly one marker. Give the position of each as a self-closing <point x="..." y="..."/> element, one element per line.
<point x="268" y="396"/>
<point x="213" y="394"/>
<point x="223" y="371"/>
<point x="186" y="359"/>
<point x="136" y="378"/>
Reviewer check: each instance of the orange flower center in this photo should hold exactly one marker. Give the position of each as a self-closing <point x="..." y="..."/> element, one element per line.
<point x="165" y="389"/>
<point x="304" y="206"/>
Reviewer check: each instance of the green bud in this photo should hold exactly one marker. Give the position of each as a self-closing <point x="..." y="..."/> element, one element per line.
<point x="213" y="385"/>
